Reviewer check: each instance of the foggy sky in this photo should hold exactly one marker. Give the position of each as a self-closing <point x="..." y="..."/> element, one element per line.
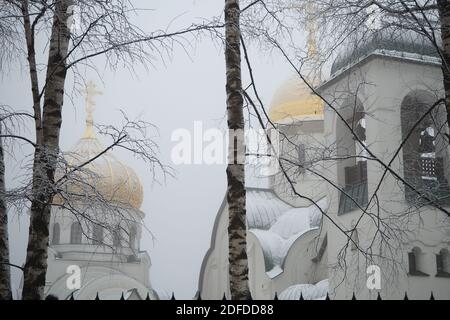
<point x="171" y="95"/>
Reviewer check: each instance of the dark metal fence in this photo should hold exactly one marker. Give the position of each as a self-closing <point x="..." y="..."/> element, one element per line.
<point x="225" y="298"/>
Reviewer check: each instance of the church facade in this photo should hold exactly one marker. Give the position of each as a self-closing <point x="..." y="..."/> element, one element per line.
<point x="367" y="212"/>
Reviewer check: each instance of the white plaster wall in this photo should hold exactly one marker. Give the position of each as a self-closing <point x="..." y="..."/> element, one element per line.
<point x="92" y="258"/>
<point x="382" y="96"/>
<point x="298" y="267"/>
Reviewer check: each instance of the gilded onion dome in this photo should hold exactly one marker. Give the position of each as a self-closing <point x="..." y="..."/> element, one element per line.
<point x="294" y="101"/>
<point x="105" y="176"/>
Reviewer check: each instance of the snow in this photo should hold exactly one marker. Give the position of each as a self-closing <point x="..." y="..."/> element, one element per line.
<point x="277" y="226"/>
<point x="294" y="221"/>
<point x="263" y="208"/>
<point x="308" y="291"/>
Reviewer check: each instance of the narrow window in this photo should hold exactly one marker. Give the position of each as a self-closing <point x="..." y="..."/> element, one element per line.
<point x="116" y="237"/>
<point x="75" y="233"/>
<point x="97" y="234"/>
<point x="415" y="261"/>
<point x="56" y="234"/>
<point x="301" y="157"/>
<point x="442" y="264"/>
<point x="355" y="242"/>
<point x="133" y="237"/>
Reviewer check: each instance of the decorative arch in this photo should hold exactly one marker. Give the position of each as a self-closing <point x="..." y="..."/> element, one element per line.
<point x="352" y="157"/>
<point x="425" y="155"/>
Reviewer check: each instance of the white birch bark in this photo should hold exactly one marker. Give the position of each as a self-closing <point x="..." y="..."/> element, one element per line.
<point x="237" y="231"/>
<point x="5" y="272"/>
<point x="46" y="157"/>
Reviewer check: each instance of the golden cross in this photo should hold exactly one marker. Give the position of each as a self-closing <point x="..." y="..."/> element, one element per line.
<point x="311" y="28"/>
<point x="312" y="53"/>
<point x="90" y="92"/>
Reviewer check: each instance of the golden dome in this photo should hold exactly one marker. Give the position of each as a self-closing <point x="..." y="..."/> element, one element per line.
<point x="294" y="101"/>
<point x="106" y="175"/>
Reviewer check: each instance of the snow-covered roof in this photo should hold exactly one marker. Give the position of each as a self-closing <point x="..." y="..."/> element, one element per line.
<point x="277" y="225"/>
<point x="263" y="208"/>
<point x="316" y="291"/>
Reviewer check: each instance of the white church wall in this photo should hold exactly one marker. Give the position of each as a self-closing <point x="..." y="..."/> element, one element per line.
<point x="87" y="255"/>
<point x="299" y="267"/>
<point x="381" y="98"/>
<point x="309" y="135"/>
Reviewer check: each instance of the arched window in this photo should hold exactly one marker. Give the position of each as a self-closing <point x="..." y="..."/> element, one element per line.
<point x="133" y="237"/>
<point x="424" y="152"/>
<point x="350" y="150"/>
<point x="443" y="264"/>
<point x="116" y="237"/>
<point x="97" y="234"/>
<point x="56" y="234"/>
<point x="75" y="233"/>
<point x="415" y="262"/>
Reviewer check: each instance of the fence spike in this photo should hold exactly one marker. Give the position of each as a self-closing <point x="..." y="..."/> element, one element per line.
<point x="301" y="296"/>
<point x="97" y="297"/>
<point x="327" y="297"/>
<point x="432" y="296"/>
<point x="379" y="296"/>
<point x="276" y="296"/>
<point x="224" y="298"/>
<point x="353" y="296"/>
<point x="406" y="296"/>
<point x="122" y="297"/>
<point x="173" y="296"/>
<point x="148" y="296"/>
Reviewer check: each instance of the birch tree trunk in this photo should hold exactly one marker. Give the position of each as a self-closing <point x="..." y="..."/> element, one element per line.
<point x="46" y="158"/>
<point x="444" y="16"/>
<point x="32" y="68"/>
<point x="237" y="230"/>
<point x="5" y="273"/>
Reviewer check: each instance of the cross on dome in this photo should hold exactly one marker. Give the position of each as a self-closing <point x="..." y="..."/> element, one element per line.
<point x="313" y="69"/>
<point x="90" y="92"/>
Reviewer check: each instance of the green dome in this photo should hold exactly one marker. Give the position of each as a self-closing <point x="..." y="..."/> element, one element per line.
<point x="400" y="41"/>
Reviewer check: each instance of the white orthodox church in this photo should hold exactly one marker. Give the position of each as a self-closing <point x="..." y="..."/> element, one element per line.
<point x="95" y="232"/>
<point x="359" y="226"/>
